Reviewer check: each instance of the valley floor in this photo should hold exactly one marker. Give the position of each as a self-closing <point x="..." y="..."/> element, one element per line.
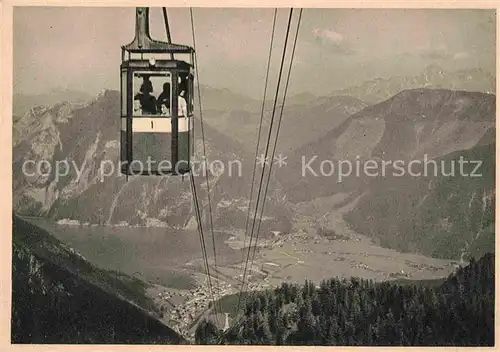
<point x="180" y="287"/>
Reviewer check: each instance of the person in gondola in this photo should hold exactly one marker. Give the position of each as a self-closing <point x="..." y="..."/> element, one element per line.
<point x="163" y="101"/>
<point x="183" y="82"/>
<point x="182" y="105"/>
<point x="147" y="101"/>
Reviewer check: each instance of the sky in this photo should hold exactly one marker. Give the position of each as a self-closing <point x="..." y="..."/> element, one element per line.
<point x="80" y="48"/>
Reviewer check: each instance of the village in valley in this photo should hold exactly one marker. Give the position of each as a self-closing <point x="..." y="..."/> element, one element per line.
<point x="281" y="256"/>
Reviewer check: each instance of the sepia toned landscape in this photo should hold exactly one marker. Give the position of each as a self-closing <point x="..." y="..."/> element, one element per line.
<point x="329" y="258"/>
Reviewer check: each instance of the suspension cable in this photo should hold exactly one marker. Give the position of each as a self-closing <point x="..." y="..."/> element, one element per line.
<point x="265" y="157"/>
<point x="205" y="157"/>
<point x="284" y="99"/>
<point x="195" y="196"/>
<point x="258" y="136"/>
<point x="202" y="242"/>
<point x="282" y="107"/>
<point x="167" y="29"/>
<point x="277" y="131"/>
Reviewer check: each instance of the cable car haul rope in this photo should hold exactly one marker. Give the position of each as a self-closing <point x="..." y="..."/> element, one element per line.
<point x="275" y="104"/>
<point x="162" y="128"/>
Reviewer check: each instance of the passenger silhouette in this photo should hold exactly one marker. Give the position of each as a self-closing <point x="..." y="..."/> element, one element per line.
<point x="181" y="105"/>
<point x="147" y="101"/>
<point x="163" y="101"/>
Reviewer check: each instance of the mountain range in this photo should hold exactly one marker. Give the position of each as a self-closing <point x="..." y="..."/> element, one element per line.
<point x="87" y="138"/>
<point x="433" y="77"/>
<point x="438" y="124"/>
<point x="411" y="125"/>
<point x="429" y="213"/>
<point x="307" y="117"/>
<point x="22" y="103"/>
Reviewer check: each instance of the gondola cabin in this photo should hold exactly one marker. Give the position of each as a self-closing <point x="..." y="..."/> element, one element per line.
<point x="156" y="104"/>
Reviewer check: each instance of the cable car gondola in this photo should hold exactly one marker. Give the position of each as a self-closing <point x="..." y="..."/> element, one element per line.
<point x="156" y="103"/>
<point x="156" y="127"/>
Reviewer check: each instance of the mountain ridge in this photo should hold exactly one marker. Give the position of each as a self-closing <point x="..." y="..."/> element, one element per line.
<point x="408" y="126"/>
<point x="377" y="90"/>
<point x="59" y="297"/>
<point x="393" y="131"/>
<point x="87" y="137"/>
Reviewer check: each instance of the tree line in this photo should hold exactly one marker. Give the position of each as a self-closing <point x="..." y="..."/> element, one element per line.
<point x="349" y="312"/>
